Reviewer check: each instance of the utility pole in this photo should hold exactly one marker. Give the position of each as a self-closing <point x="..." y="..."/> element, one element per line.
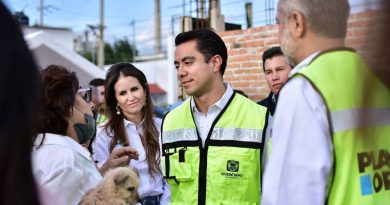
<point x="133" y="49"/>
<point x="184" y="7"/>
<point x="41" y="13"/>
<point x="248" y="12"/>
<point x="42" y="9"/>
<point x="190" y="7"/>
<point x="174" y="19"/>
<point x="101" y="36"/>
<point x="94" y="42"/>
<point x="157" y="27"/>
<point x="217" y="20"/>
<point x="201" y="9"/>
<point x="172" y="25"/>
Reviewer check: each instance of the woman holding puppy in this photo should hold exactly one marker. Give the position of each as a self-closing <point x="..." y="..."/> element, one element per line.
<point x="65" y="122"/>
<point x="131" y="123"/>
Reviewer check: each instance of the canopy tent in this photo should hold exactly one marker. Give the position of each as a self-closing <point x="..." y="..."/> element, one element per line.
<point x="47" y="51"/>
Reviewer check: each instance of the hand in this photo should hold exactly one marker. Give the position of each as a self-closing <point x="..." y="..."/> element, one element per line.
<point x="120" y="156"/>
<point x="123" y="152"/>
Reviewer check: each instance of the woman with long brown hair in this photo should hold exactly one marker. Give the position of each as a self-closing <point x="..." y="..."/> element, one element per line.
<point x="131" y="123"/>
<point x="61" y="162"/>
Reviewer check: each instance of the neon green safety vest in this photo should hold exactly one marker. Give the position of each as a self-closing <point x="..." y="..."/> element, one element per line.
<point x="359" y="115"/>
<point x="101" y="119"/>
<point x="227" y="170"/>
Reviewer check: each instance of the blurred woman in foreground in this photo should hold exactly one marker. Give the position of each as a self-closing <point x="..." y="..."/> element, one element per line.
<point x="19" y="96"/>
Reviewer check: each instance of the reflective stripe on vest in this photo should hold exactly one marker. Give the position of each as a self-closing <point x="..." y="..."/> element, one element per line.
<point x="359" y="118"/>
<point x="358" y="105"/>
<point x="188" y="134"/>
<point x="231" y="155"/>
<point x="236" y="134"/>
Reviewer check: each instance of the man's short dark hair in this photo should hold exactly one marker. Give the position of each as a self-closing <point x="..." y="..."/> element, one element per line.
<point x="97" y="82"/>
<point x="270" y="53"/>
<point x="207" y="42"/>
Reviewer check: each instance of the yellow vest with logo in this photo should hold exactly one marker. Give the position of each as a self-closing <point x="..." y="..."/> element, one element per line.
<point x="359" y="117"/>
<point x="227" y="170"/>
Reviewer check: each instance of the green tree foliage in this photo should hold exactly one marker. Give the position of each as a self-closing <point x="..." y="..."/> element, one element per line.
<point x="88" y="56"/>
<point x="120" y="51"/>
<point x="123" y="51"/>
<point x="109" y="54"/>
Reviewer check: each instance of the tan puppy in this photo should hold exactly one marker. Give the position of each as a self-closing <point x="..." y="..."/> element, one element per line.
<point x="118" y="187"/>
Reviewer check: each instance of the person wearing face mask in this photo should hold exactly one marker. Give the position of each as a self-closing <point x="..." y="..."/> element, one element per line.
<point x="131" y="123"/>
<point x="61" y="162"/>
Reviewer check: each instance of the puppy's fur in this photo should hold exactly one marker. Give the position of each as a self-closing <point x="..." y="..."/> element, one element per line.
<point x="118" y="187"/>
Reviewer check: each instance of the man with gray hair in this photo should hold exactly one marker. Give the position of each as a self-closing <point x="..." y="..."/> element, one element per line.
<point x="323" y="150"/>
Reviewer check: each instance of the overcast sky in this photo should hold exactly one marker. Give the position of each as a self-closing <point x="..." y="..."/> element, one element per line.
<point x="76" y="14"/>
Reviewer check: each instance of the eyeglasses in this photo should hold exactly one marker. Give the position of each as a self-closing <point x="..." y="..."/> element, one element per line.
<point x="86" y="93"/>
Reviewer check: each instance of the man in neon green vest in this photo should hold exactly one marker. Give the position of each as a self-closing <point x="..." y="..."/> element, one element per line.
<point x="212" y="143"/>
<point x="98" y="89"/>
<point x="331" y="133"/>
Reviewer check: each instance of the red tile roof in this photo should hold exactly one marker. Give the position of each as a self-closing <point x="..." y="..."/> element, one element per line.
<point x="155" y="89"/>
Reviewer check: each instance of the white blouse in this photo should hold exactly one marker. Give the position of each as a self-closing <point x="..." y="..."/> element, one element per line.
<point x="148" y="185"/>
<point x="64" y="168"/>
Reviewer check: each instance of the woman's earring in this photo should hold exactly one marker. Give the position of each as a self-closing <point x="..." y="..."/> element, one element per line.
<point x="118" y="111"/>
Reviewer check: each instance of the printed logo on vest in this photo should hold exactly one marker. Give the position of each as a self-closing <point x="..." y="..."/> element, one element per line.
<point x="232" y="167"/>
<point x="377" y="177"/>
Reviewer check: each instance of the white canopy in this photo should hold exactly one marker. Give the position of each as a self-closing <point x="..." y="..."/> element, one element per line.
<point x="47" y="51"/>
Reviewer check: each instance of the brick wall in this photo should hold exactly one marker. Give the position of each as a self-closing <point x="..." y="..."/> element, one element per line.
<point x="245" y="49"/>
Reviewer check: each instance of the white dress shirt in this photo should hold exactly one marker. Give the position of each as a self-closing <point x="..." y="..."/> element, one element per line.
<point x="148" y="185"/>
<point x="267" y="142"/>
<point x="301" y="151"/>
<point x="204" y="121"/>
<point x="47" y="198"/>
<point x="64" y="168"/>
